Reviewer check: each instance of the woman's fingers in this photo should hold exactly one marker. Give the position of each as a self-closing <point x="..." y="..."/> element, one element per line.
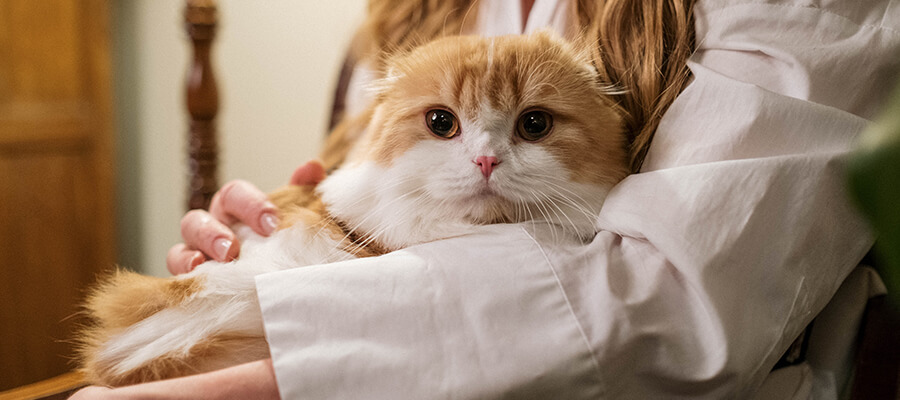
<point x="207" y="235"/>
<point x="310" y="173"/>
<point x="240" y="201"/>
<point x="182" y="259"/>
<point x="201" y="231"/>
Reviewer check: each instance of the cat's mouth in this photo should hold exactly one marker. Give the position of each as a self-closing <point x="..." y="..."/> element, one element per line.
<point x="486" y="190"/>
<point x="487" y="206"/>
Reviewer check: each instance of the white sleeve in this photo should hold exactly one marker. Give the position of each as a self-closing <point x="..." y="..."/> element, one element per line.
<point x="707" y="265"/>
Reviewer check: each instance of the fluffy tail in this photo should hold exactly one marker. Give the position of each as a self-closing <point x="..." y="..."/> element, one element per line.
<point x="146" y="328"/>
<point x="125" y="298"/>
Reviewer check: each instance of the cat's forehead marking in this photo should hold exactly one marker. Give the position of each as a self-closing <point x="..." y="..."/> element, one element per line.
<point x="487" y="81"/>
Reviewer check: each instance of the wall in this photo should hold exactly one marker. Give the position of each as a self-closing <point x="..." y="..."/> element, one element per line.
<point x="276" y="64"/>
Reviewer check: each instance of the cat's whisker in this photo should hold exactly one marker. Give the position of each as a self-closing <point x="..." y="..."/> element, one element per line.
<point x="530" y="215"/>
<point x="564" y="214"/>
<point x="557" y="188"/>
<point x="582" y="206"/>
<point x="589" y="218"/>
<point x="583" y="210"/>
<point x="355" y="247"/>
<point x="518" y="204"/>
<point x="559" y="183"/>
<point x="557" y="211"/>
<point x="539" y="203"/>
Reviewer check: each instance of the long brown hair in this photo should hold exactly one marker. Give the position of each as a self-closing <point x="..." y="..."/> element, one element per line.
<point x="639" y="45"/>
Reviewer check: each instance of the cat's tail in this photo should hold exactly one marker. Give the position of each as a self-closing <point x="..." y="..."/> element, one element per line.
<point x="119" y="301"/>
<point x="146" y="328"/>
<point x="125" y="298"/>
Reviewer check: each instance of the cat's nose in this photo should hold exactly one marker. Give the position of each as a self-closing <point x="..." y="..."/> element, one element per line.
<point x="487" y="164"/>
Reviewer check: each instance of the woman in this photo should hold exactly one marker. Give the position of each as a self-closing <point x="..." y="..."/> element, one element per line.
<point x="705" y="267"/>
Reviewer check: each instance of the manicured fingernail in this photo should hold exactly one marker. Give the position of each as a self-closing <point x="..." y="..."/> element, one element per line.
<point x="269" y="223"/>
<point x="196" y="260"/>
<point x="221" y="247"/>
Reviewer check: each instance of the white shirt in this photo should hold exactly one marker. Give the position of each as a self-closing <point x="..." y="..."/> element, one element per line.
<point x="707" y="264"/>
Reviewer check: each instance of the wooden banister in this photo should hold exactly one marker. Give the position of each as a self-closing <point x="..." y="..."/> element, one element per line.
<point x="203" y="104"/>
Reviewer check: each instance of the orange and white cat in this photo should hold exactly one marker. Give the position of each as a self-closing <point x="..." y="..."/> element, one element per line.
<point x="463" y="131"/>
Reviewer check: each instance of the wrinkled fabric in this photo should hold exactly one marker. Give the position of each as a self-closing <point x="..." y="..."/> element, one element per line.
<point x="705" y="267"/>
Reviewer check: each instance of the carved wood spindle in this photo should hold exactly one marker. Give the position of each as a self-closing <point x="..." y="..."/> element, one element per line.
<point x="203" y="104"/>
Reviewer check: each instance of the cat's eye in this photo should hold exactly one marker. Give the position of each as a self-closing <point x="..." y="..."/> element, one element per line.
<point x="442" y="123"/>
<point x="534" y="125"/>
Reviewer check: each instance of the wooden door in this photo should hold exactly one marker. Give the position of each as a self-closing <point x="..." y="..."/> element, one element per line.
<point x="56" y="177"/>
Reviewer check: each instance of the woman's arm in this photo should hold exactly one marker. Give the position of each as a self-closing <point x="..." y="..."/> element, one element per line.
<point x="254" y="380"/>
<point x="707" y="266"/>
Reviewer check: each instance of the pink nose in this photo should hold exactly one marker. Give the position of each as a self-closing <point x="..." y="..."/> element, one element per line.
<point x="486" y="163"/>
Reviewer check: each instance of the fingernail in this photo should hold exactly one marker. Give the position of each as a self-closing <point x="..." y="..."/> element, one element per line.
<point x="269" y="223"/>
<point x="221" y="247"/>
<point x="196" y="260"/>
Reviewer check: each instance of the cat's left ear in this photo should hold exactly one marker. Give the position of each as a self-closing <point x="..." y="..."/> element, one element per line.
<point x="581" y="48"/>
<point x="576" y="49"/>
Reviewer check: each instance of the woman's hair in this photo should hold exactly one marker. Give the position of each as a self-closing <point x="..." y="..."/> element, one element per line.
<point x="640" y="45"/>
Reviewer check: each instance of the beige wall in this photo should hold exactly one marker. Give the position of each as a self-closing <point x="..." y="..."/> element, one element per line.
<point x="277" y="62"/>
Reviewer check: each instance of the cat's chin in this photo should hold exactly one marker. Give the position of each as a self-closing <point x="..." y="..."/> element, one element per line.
<point x="486" y="207"/>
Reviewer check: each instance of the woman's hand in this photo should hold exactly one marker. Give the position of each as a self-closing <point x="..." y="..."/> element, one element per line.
<point x="208" y="235"/>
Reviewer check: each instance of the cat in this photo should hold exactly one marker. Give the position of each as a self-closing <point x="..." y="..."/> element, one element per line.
<point x="463" y="131"/>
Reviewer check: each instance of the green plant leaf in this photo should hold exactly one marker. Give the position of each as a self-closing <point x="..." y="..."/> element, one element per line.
<point x="874" y="182"/>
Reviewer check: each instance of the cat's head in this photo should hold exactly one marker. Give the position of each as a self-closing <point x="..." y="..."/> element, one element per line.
<point x="472" y="130"/>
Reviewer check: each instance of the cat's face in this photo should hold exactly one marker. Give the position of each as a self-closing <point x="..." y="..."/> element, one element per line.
<point x="481" y="130"/>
